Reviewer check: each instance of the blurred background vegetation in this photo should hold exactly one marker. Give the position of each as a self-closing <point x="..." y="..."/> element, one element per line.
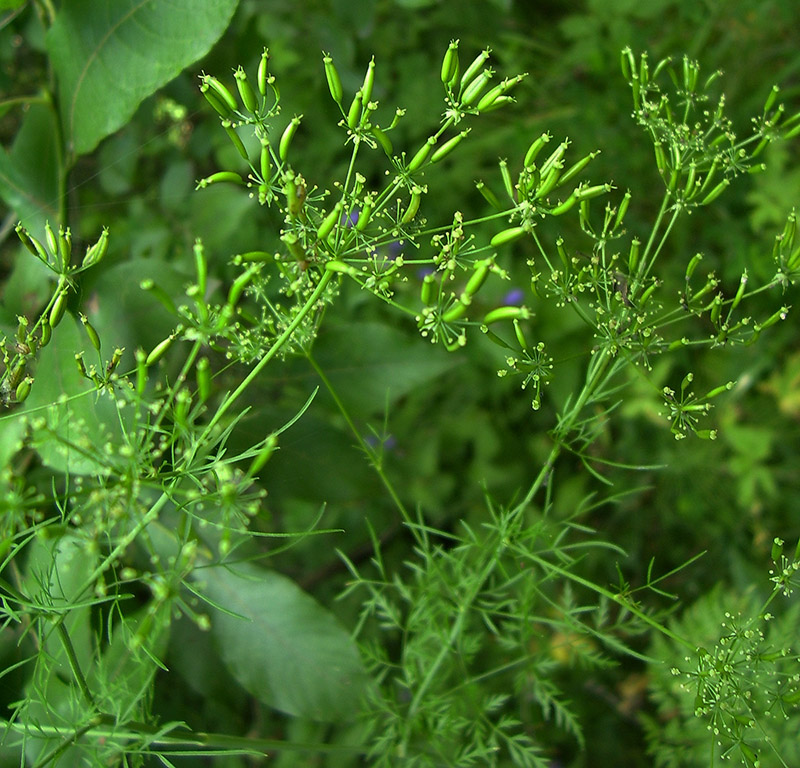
<point x="451" y="430"/>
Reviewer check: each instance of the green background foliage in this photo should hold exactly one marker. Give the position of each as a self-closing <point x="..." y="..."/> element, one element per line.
<point x="102" y="125"/>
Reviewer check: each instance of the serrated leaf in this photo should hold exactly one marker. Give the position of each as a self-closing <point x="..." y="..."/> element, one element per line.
<point x="109" y="55"/>
<point x="282" y="646"/>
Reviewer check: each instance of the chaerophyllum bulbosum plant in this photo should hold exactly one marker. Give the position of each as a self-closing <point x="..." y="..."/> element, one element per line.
<point x="133" y="519"/>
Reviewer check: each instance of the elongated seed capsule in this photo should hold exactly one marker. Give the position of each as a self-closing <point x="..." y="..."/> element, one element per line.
<point x="236" y="140"/>
<point x="262" y="77"/>
<point x="720" y="390"/>
<point x="253" y="256"/>
<point x="507" y="183"/>
<point x="52" y="242"/>
<point x="498" y="103"/>
<point x="633" y="256"/>
<point x="58" y="308"/>
<point x="647" y="293"/>
<point x="90" y="331"/>
<point x="523" y="342"/>
<point x="456" y="311"/>
<point x="295" y="247"/>
<point x="240" y="283"/>
<point x="478" y="277"/>
<point x="661" y="157"/>
<point x="793" y="262"/>
<point x="501" y="89"/>
<point x="548" y="182"/>
<point x="203" y="374"/>
<point x="159" y="351"/>
<point x="448" y="146"/>
<point x="692" y="265"/>
<point x="622" y="210"/>
<point x="27" y="239"/>
<point x="689" y="187"/>
<point x="65" y="244"/>
<point x="716" y="192"/>
<point x="220" y="90"/>
<point x="47" y="332"/>
<point x="228" y="177"/>
<point x="217" y="104"/>
<point x="575" y="169"/>
<point x="263" y="456"/>
<point x="506" y="313"/>
<point x="789" y="230"/>
<point x="740" y="291"/>
<point x="287" y="136"/>
<point x="334" y="81"/>
<point x="421" y="155"/>
<point x="413" y="205"/>
<point x="587" y="193"/>
<point x="473" y="69"/>
<point x="507" y="236"/>
<point x="555" y="157"/>
<point x="534" y="149"/>
<point x="369" y="81"/>
<point x="159" y="294"/>
<point x="246" y="91"/>
<point x="265" y="161"/>
<point x="354" y="113"/>
<point x="340" y="267"/>
<point x="774" y="318"/>
<point x="329" y="222"/>
<point x="382" y="139"/>
<point x="627" y="63"/>
<point x="201" y="266"/>
<point x="96" y="253"/>
<point x="449" y="62"/>
<point x="562" y="208"/>
<point x="475" y="88"/>
<point x="426" y="292"/>
<point x="23" y="389"/>
<point x="489" y="196"/>
<point x="365" y="215"/>
<point x="562" y="254"/>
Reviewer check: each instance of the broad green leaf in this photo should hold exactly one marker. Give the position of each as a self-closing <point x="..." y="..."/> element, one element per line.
<point x="72" y="426"/>
<point x="29" y="172"/>
<point x="283" y="647"/>
<point x="109" y="55"/>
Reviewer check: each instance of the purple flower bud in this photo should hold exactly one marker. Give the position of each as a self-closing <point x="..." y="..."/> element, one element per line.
<point x="514" y="298"/>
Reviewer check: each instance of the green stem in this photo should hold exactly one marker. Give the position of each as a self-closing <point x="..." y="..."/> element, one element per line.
<point x="75" y="666"/>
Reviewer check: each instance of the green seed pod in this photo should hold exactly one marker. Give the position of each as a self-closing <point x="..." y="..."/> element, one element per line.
<point x="587" y="193"/>
<point x="633" y="256"/>
<point x="369" y="81"/>
<point x="220" y="177"/>
<point x="478" y="277"/>
<point x="253" y="256"/>
<point x="47" y="332"/>
<point x="647" y="293"/>
<point x="58" y="308"/>
<point x="774" y="318"/>
<point x="563" y="255"/>
<point x="354" y="113"/>
<point x="292" y="242"/>
<point x="159" y="351"/>
<point x="90" y="331"/>
<point x="555" y="157"/>
<point x="159" y="294"/>
<point x="426" y="293"/>
<point x="450" y="63"/>
<point x="96" y="252"/>
<point x="263" y="456"/>
<point x="141" y="370"/>
<point x="286" y="138"/>
<point x="523" y="342"/>
<point x="507" y="236"/>
<point x="507" y="183"/>
<point x="217" y="104"/>
<point x="489" y="196"/>
<point x="506" y="313"/>
<point x="221" y="91"/>
<point x="52" y="242"/>
<point x="422" y="155"/>
<point x="691" y="178"/>
<point x="246" y="91"/>
<point x="720" y="390"/>
<point x="413" y="205"/>
<point x="27" y="240"/>
<point x="627" y="63"/>
<point x="263" y="73"/>
<point x="65" y="244"/>
<point x="366" y="212"/>
<point x="455" y="312"/>
<point x="265" y="161"/>
<point x="473" y="69"/>
<point x="489" y="99"/>
<point x="692" y="265"/>
<point x="716" y="192"/>
<point x="475" y="88"/>
<point x="535" y="148"/>
<point x="777" y="549"/>
<point x="116" y="357"/>
<point x="329" y="222"/>
<point x="575" y="169"/>
<point x="382" y="139"/>
<point x="236" y="140"/>
<point x="203" y="374"/>
<point x="623" y="209"/>
<point x="740" y="291"/>
<point x="240" y="283"/>
<point x="498" y="103"/>
<point x="340" y="267"/>
<point x="562" y="208"/>
<point x="448" y="146"/>
<point x="789" y="231"/>
<point x="548" y="183"/>
<point x="201" y="266"/>
<point x="661" y="157"/>
<point x="334" y="81"/>
<point x="23" y="389"/>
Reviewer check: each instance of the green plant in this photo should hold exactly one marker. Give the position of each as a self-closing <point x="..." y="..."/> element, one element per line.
<point x="136" y="520"/>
